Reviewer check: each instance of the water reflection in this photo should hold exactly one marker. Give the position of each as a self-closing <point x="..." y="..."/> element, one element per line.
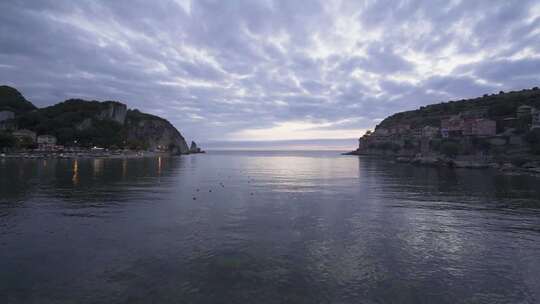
<point x="266" y="228"/>
<point x="75" y="177"/>
<point x="97" y="165"/>
<point x="124" y="168"/>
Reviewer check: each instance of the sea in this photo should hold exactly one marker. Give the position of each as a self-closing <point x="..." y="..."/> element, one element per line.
<point x="265" y="227"/>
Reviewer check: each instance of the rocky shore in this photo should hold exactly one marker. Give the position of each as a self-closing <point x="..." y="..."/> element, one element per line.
<point x="513" y="165"/>
<point x="498" y="131"/>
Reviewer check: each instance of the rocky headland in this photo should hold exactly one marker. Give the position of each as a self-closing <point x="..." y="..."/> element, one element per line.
<point x="77" y="124"/>
<point x="494" y="131"/>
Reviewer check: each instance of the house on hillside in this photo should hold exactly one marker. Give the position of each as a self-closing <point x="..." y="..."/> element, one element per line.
<point x="479" y="127"/>
<point x="416" y="132"/>
<point x="430" y="132"/>
<point x="46" y="140"/>
<point x="48" y="143"/>
<point x="452" y="126"/>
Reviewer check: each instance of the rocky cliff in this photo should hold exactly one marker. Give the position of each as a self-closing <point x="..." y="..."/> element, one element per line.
<point x="194" y="148"/>
<point x="154" y="132"/>
<point x="492" y="128"/>
<point x="106" y="124"/>
<point x="114" y="111"/>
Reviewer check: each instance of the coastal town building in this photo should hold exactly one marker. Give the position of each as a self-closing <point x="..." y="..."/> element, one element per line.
<point x="430" y="132"/>
<point x="457" y="126"/>
<point x="479" y="127"/>
<point x="416" y="133"/>
<point x="46" y="140"/>
<point x="452" y="126"/>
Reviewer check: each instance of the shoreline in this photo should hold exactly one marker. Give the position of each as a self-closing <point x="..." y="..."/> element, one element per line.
<point x="82" y="155"/>
<point x="531" y="167"/>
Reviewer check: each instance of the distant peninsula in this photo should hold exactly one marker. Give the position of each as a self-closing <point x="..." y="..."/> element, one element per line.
<point x="77" y="124"/>
<point x="498" y="130"/>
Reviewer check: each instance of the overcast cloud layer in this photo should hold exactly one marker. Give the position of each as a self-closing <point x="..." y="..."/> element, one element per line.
<point x="254" y="70"/>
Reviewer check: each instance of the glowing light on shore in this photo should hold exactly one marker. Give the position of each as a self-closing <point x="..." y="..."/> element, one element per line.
<point x="75" y="178"/>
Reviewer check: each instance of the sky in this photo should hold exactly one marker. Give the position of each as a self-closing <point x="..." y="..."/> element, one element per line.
<point x="302" y="74"/>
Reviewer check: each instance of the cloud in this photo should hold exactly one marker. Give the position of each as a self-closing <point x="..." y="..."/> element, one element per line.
<point x="297" y="130"/>
<point x="243" y="69"/>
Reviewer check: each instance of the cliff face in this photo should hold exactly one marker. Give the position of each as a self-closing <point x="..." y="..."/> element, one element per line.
<point x="154" y="132"/>
<point x="114" y="111"/>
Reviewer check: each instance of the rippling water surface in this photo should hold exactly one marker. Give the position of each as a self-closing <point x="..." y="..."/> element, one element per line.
<point x="265" y="227"/>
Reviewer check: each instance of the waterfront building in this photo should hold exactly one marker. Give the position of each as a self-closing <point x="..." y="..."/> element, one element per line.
<point x="47" y="142"/>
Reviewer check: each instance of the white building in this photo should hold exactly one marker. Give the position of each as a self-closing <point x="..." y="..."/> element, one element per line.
<point x="46" y="140"/>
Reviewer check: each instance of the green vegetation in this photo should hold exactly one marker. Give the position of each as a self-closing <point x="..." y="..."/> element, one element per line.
<point x="533" y="138"/>
<point x="12" y="100"/>
<point x="82" y="123"/>
<point x="135" y="116"/>
<point x="449" y="148"/>
<point x="386" y="146"/>
<point x="6" y="141"/>
<point x="496" y="107"/>
<point x="25" y="143"/>
<point x="75" y="122"/>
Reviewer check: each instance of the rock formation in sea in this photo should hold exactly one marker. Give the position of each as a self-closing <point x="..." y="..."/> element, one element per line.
<point x="194" y="148"/>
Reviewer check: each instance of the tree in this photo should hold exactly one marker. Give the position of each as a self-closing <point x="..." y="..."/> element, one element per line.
<point x="6" y="141"/>
<point x="533" y="138"/>
<point x="408" y="144"/>
<point x="25" y="143"/>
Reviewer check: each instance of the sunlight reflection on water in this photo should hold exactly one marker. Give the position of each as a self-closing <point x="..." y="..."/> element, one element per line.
<point x="265" y="227"/>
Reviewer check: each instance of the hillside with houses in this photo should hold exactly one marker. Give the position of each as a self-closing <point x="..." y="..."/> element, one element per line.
<point x="496" y="129"/>
<point x="79" y="125"/>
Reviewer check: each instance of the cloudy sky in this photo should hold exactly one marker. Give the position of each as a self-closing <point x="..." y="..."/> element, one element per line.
<point x="228" y="70"/>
